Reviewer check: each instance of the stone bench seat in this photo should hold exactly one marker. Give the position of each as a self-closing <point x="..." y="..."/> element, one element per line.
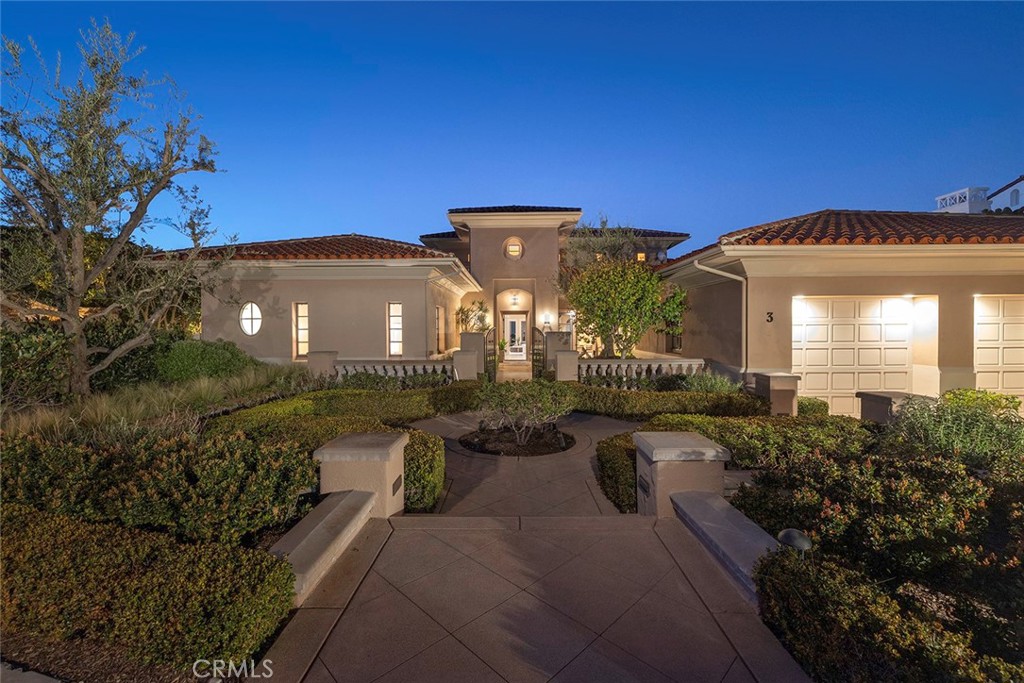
<point x="734" y="540"/>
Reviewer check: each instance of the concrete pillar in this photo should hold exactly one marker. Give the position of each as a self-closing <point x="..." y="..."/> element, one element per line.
<point x="321" y="363"/>
<point x="780" y="389"/>
<point x="465" y="364"/>
<point x="366" y="461"/>
<point x="474" y="341"/>
<point x="567" y="366"/>
<point x="667" y="462"/>
<point x="553" y="343"/>
<point x="880" y="406"/>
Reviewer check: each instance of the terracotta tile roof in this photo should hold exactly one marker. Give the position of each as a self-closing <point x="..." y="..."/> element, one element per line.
<point x="330" y="247"/>
<point x="513" y="208"/>
<point x="849" y="227"/>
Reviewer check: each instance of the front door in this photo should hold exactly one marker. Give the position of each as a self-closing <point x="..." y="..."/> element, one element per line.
<point x="515" y="336"/>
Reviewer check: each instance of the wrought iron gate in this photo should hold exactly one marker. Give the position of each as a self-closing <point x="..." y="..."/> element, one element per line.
<point x="537" y="353"/>
<point x="490" y="355"/>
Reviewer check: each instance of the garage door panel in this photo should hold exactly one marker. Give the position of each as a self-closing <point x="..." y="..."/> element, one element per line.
<point x="867" y="347"/>
<point x="999" y="344"/>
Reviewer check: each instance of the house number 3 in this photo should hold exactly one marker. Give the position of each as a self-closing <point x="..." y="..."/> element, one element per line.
<point x="770" y="317"/>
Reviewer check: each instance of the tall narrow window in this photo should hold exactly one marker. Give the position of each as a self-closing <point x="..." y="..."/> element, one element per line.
<point x="439" y="326"/>
<point x="301" y="315"/>
<point x="1014" y="197"/>
<point x="394" y="329"/>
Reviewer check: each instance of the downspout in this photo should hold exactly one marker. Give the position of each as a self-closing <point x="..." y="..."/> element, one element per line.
<point x="743" y="306"/>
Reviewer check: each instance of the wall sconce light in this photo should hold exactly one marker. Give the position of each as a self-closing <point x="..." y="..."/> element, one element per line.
<point x="515" y="299"/>
<point x="547" y="322"/>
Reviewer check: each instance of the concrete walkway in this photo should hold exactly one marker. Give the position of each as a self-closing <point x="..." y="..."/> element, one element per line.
<point x="530" y="576"/>
<point x="561" y="484"/>
<point x="514" y="370"/>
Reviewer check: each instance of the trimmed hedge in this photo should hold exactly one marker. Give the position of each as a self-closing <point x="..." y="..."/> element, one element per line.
<point x="292" y="421"/>
<point x="841" y="626"/>
<point x="616" y="470"/>
<point x="806" y="406"/>
<point x="193" y="358"/>
<point x="761" y="441"/>
<point x="640" y="405"/>
<point x="162" y="602"/>
<point x="754" y="442"/>
<point x="214" y="489"/>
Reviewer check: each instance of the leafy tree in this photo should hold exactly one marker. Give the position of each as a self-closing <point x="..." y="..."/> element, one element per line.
<point x="602" y="242"/>
<point x="83" y="163"/>
<point x="621" y="300"/>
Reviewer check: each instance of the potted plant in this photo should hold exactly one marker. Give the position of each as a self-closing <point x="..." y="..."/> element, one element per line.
<point x="502" y="345"/>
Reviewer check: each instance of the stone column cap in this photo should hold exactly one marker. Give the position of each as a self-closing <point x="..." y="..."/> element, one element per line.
<point x="362" y="446"/>
<point x="895" y="395"/>
<point x="662" y="446"/>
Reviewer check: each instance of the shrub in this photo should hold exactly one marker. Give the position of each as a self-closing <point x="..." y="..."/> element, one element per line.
<point x="293" y="421"/>
<point x="193" y="358"/>
<point x="619" y="382"/>
<point x="34" y="365"/>
<point x="808" y="406"/>
<point x="982" y="429"/>
<point x="841" y="626"/>
<point x="640" y="405"/>
<point x="370" y="381"/>
<point x="524" y="406"/>
<point x="394" y="407"/>
<point x="893" y="514"/>
<point x="162" y="601"/>
<point x="135" y="367"/>
<point x="616" y="469"/>
<point x="709" y="381"/>
<point x="215" y="489"/>
<point x="764" y="440"/>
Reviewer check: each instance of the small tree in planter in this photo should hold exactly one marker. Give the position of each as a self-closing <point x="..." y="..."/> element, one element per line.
<point x="524" y="406"/>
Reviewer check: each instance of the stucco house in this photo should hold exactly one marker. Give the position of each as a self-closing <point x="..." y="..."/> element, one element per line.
<point x="370" y="298"/>
<point x="862" y="301"/>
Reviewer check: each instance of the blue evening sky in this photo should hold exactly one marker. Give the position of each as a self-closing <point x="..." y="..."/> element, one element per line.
<point x="704" y="118"/>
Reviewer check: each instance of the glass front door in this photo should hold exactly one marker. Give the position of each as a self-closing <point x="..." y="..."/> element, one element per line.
<point x="515" y="336"/>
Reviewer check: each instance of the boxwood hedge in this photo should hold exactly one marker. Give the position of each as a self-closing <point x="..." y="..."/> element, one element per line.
<point x="162" y="601"/>
<point x="641" y="405"/>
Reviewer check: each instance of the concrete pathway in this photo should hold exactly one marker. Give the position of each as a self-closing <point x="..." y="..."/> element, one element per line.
<point x="561" y="484"/>
<point x="598" y="599"/>
<point x="514" y="370"/>
<point x="531" y="575"/>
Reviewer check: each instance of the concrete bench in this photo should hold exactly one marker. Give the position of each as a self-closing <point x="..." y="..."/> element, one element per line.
<point x="316" y="542"/>
<point x="730" y="535"/>
<point x="675" y="461"/>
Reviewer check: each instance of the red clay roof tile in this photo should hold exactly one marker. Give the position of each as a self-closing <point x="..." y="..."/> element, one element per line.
<point x="331" y="247"/>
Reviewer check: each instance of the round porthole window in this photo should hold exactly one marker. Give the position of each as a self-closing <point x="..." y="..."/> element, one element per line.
<point x="513" y="248"/>
<point x="250" y="318"/>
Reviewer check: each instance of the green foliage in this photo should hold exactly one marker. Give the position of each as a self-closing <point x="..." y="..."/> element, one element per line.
<point x="806" y="406"/>
<point x="34" y="365"/>
<point x="373" y="382"/>
<point x="162" y="602"/>
<point x="616" y="470"/>
<point x="192" y="358"/>
<point x="472" y="318"/>
<point x="135" y="367"/>
<point x="524" y="406"/>
<point x="981" y="428"/>
<point x="842" y="627"/>
<point x="766" y="440"/>
<point x="621" y="301"/>
<point x="639" y="405"/>
<point x="891" y="513"/>
<point x="216" y="489"/>
<point x="313" y="419"/>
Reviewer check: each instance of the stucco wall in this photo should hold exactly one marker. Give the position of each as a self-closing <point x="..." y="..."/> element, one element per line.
<point x="711" y="324"/>
<point x="345" y="315"/>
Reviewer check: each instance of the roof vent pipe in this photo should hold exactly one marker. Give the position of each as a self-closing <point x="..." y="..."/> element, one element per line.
<point x="743" y="307"/>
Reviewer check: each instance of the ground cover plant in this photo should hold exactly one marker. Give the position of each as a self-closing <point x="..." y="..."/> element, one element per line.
<point x="919" y="541"/>
<point x="643" y="405"/>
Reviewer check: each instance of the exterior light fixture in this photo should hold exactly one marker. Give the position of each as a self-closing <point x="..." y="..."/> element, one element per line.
<point x="795" y="539"/>
<point x="515" y="299"/>
<point x="547" y="318"/>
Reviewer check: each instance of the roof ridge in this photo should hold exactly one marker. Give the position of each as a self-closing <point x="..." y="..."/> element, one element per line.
<point x="1007" y="185"/>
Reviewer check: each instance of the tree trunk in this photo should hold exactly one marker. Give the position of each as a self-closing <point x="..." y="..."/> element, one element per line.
<point x="79" y="374"/>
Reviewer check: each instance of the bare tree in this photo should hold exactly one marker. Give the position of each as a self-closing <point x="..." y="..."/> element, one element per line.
<point x="83" y="161"/>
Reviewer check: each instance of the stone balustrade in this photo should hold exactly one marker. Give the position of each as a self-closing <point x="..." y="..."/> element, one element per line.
<point x="638" y="368"/>
<point x="395" y="368"/>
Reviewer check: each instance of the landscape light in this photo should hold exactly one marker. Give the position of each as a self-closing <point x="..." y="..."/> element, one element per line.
<point x="795" y="539"/>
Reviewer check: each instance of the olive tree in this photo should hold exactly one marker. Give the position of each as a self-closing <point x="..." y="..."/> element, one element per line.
<point x="620" y="301"/>
<point x="84" y="160"/>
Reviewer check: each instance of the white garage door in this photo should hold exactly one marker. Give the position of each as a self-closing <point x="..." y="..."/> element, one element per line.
<point x="844" y="345"/>
<point x="999" y="343"/>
